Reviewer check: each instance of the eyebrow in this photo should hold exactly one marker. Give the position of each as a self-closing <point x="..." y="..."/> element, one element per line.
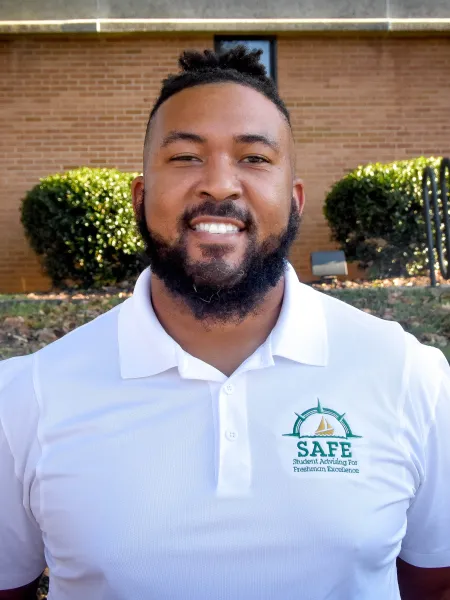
<point x="257" y="138"/>
<point x="245" y="138"/>
<point x="186" y="136"/>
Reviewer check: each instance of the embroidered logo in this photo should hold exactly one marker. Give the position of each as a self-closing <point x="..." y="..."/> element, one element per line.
<point x="318" y="449"/>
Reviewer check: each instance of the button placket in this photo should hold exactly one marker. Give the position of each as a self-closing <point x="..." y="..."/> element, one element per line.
<point x="234" y="472"/>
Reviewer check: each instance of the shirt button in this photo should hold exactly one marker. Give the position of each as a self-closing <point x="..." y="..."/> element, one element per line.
<point x="229" y="388"/>
<point x="231" y="435"/>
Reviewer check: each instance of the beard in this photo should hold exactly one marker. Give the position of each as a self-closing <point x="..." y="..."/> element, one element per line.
<point x="213" y="290"/>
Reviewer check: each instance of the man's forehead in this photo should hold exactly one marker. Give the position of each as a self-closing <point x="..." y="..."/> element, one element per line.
<point x="219" y="109"/>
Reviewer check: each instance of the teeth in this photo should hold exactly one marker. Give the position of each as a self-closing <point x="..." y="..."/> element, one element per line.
<point x="216" y="228"/>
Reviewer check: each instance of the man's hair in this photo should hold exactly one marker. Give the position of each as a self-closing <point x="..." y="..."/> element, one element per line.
<point x="237" y="65"/>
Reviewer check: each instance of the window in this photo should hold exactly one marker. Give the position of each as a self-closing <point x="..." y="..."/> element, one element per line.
<point x="266" y="44"/>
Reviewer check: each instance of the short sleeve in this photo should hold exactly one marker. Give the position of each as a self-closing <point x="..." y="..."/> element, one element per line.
<point x="427" y="540"/>
<point x="21" y="547"/>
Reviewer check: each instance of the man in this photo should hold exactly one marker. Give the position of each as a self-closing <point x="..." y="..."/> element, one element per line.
<point x="227" y="432"/>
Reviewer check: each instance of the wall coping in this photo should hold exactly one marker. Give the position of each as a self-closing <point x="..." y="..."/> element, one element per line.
<point x="274" y="25"/>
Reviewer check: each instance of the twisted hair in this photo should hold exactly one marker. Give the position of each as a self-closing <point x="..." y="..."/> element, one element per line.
<point x="237" y="65"/>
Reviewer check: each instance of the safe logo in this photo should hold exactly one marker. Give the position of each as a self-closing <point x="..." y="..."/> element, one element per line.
<point x="324" y="442"/>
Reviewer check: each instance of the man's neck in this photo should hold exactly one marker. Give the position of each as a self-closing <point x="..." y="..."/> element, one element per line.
<point x="225" y="346"/>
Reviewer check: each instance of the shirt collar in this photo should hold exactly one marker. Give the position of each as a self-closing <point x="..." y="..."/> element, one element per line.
<point x="300" y="333"/>
<point x="146" y="349"/>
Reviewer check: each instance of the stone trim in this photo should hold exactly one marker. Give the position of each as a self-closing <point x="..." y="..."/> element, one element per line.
<point x="224" y="25"/>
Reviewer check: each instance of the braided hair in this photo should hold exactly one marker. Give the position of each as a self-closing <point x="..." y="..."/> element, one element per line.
<point x="238" y="65"/>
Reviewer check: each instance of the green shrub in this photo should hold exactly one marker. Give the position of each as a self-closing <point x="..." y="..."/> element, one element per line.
<point x="81" y="224"/>
<point x="376" y="214"/>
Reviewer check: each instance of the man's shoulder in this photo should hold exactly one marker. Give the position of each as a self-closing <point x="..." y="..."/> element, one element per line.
<point x="351" y="323"/>
<point x="51" y="383"/>
<point x="89" y="341"/>
<point x="19" y="411"/>
<point x="16" y="375"/>
<point x="86" y="358"/>
<point x="81" y="349"/>
<point x="347" y="321"/>
<point x="363" y="338"/>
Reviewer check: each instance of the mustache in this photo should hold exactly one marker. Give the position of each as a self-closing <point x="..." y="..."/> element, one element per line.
<point x="225" y="209"/>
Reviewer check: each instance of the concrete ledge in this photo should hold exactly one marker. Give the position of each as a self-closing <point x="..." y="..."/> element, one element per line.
<point x="224" y="25"/>
<point x="245" y="25"/>
<point x="10" y="27"/>
<point x="410" y="25"/>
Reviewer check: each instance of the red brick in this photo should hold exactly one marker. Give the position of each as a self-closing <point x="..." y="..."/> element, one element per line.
<point x="68" y="101"/>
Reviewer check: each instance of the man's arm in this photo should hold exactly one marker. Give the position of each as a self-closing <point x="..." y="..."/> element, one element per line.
<point x="26" y="592"/>
<point x="22" y="555"/>
<point x="416" y="583"/>
<point x="423" y="566"/>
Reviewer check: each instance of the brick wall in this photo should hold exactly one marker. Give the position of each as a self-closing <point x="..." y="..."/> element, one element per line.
<point x="355" y="101"/>
<point x="73" y="101"/>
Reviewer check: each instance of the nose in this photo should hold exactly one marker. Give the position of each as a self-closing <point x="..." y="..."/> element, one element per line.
<point x="219" y="180"/>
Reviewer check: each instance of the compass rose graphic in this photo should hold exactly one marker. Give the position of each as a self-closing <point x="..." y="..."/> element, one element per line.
<point x="326" y="427"/>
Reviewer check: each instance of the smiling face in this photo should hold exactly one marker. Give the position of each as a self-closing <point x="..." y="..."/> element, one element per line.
<point x="218" y="188"/>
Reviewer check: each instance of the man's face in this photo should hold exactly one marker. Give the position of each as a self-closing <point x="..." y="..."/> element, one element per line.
<point x="218" y="190"/>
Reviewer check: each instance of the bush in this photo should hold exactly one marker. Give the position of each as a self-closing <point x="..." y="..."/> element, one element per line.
<point x="81" y="224"/>
<point x="376" y="215"/>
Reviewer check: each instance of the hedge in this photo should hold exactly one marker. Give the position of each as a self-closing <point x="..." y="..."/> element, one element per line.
<point x="376" y="215"/>
<point x="81" y="224"/>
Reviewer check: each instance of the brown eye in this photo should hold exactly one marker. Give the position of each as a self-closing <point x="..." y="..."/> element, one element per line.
<point x="185" y="158"/>
<point x="255" y="159"/>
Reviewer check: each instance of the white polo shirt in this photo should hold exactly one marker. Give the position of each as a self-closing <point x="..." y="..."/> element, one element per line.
<point x="135" y="470"/>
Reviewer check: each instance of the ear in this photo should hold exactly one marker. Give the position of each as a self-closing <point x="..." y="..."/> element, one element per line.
<point x="137" y="194"/>
<point x="298" y="194"/>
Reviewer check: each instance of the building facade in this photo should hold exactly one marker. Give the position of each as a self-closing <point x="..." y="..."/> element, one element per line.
<point x="78" y="82"/>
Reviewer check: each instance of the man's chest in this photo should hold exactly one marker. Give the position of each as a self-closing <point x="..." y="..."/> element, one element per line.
<point x="286" y="479"/>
